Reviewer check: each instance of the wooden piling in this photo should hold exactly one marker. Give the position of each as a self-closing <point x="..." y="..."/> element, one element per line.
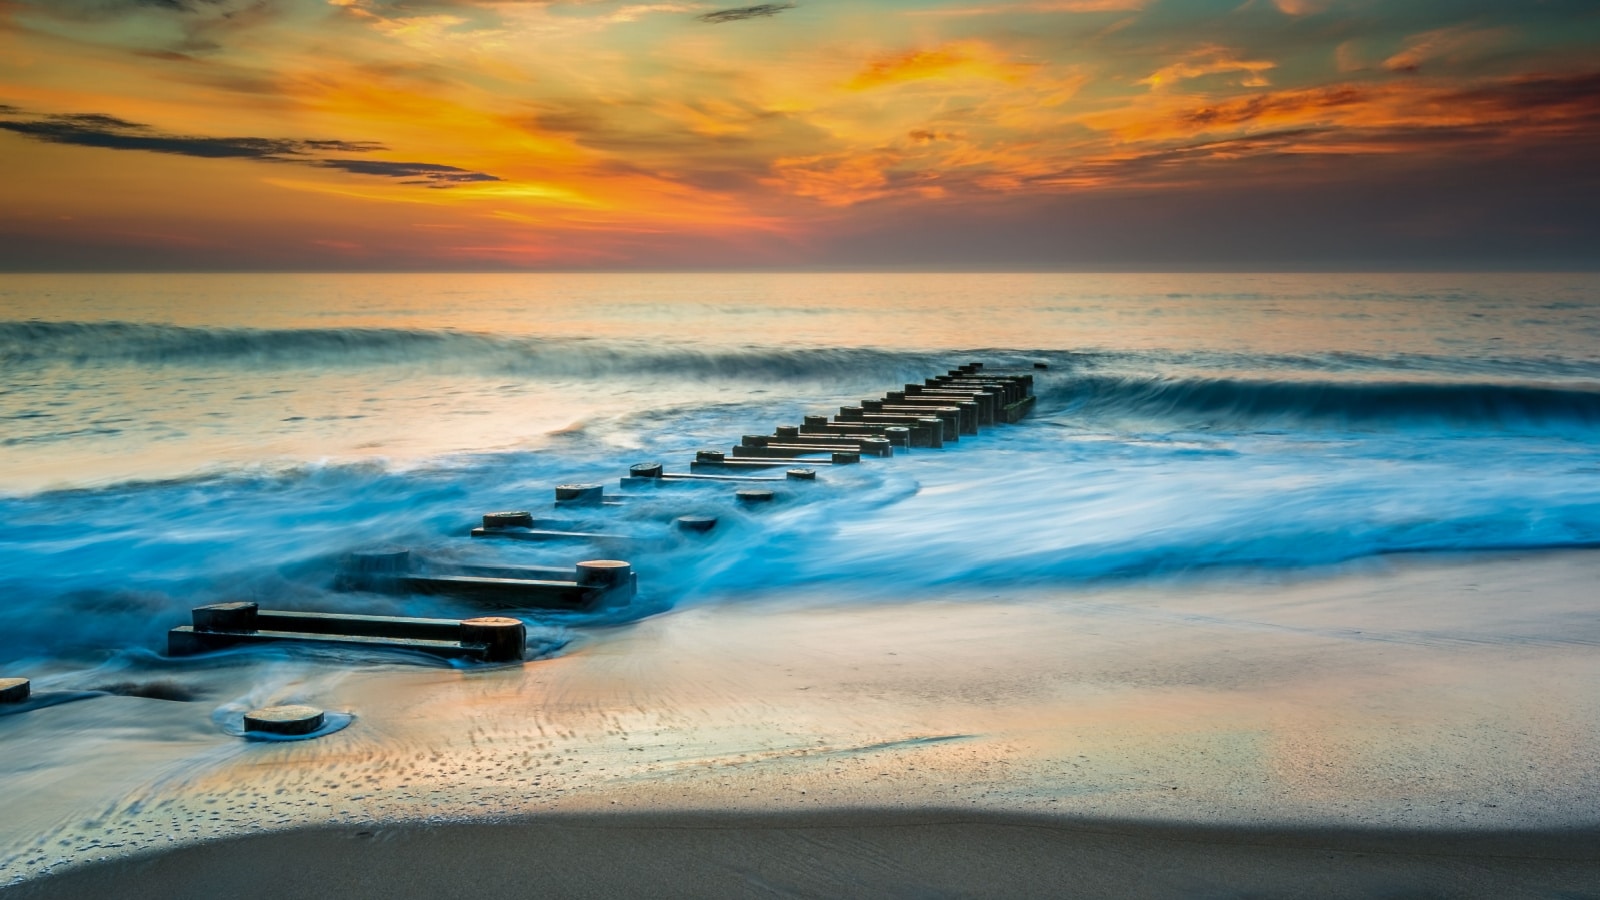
<point x="284" y="720"/>
<point x="694" y="524"/>
<point x="503" y="639"/>
<point x="580" y="494"/>
<point x="15" y="690"/>
<point x="516" y="519"/>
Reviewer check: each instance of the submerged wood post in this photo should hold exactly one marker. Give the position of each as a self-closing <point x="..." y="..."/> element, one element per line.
<point x="612" y="577"/>
<point x="694" y="524"/>
<point x="515" y="519"/>
<point x="374" y="570"/>
<point x="580" y="494"/>
<point x="240" y="617"/>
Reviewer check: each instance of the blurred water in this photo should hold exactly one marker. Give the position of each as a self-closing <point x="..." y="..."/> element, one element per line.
<point x="169" y="441"/>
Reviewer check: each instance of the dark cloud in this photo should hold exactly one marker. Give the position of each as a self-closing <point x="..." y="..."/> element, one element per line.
<point x="111" y="133"/>
<point x="343" y="146"/>
<point x="1575" y="93"/>
<point x="1252" y="108"/>
<point x="102" y="9"/>
<point x="1503" y="107"/>
<point x="167" y="55"/>
<point x="740" y="13"/>
<point x="174" y="5"/>
<point x="94" y="121"/>
<point x="428" y="174"/>
<point x="85" y="9"/>
<point x="64" y="130"/>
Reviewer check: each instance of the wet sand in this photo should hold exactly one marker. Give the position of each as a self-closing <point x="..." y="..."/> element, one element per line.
<point x="1414" y="726"/>
<point x="846" y="854"/>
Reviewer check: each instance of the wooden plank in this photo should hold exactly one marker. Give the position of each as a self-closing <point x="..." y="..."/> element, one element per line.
<point x="544" y="535"/>
<point x="185" y="641"/>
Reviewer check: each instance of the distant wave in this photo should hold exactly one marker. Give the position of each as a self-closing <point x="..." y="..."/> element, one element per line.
<point x="1233" y="402"/>
<point x="83" y="344"/>
<point x="89" y="344"/>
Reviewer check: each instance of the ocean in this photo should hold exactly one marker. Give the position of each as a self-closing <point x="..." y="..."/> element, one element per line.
<point x="170" y="441"/>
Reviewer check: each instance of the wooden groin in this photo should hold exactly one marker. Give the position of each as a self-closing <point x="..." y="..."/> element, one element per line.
<point x="933" y="415"/>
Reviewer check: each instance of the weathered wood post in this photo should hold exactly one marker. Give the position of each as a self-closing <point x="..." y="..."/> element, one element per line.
<point x="614" y="578"/>
<point x="580" y="494"/>
<point x="284" y="720"/>
<point x="694" y="524"/>
<point x="514" y="519"/>
<point x="504" y="639"/>
<point x="15" y="690"/>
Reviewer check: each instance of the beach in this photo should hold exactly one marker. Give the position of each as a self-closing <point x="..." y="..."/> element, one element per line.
<point x="1284" y="586"/>
<point x="1295" y="737"/>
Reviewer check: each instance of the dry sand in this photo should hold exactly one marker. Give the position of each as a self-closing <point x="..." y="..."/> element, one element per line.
<point x="1418" y="726"/>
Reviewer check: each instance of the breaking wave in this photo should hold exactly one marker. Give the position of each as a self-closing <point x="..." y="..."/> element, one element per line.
<point x="89" y="344"/>
<point x="1231" y="402"/>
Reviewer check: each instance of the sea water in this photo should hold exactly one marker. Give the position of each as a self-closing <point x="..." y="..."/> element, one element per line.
<point x="171" y="441"/>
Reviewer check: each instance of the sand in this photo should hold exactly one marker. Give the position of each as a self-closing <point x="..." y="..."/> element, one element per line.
<point x="1410" y="726"/>
<point x="846" y="854"/>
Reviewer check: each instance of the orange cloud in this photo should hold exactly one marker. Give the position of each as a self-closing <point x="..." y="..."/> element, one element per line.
<point x="1300" y="7"/>
<point x="968" y="59"/>
<point x="1209" y="61"/>
<point x="837" y="181"/>
<point x="1038" y="6"/>
<point x="1445" y="44"/>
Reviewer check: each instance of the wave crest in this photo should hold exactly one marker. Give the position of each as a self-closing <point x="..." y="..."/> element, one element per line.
<point x="87" y="344"/>
<point x="1232" y="402"/>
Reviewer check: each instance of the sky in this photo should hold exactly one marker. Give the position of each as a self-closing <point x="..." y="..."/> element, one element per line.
<point x="314" y="135"/>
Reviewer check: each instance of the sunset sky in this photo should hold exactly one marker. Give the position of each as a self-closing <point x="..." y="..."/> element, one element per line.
<point x="1074" y="134"/>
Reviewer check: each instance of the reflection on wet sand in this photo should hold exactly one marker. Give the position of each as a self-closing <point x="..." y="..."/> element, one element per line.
<point x="1427" y="695"/>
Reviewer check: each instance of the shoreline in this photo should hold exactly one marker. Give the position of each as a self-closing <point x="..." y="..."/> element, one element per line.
<point x="1441" y="707"/>
<point x="890" y="853"/>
